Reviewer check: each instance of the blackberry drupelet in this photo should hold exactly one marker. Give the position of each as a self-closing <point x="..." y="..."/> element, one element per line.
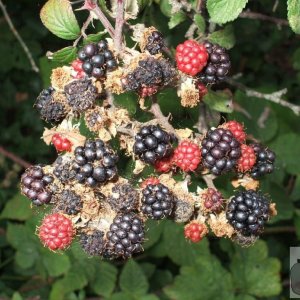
<point x="152" y="143"/>
<point x="63" y="169"/>
<point x="124" y="198"/>
<point x="69" y="202"/>
<point x="50" y="110"/>
<point x="265" y="159"/>
<point x="81" y="94"/>
<point x="92" y="243"/>
<point x="97" y="59"/>
<point x="155" y="43"/>
<point x="125" y="236"/>
<point x="34" y="185"/>
<point x="247" y="212"/>
<point x="157" y="201"/>
<point x="220" y="151"/>
<point x="94" y="163"/>
<point x="218" y="64"/>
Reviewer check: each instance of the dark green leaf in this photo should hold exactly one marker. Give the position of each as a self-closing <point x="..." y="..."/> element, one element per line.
<point x="65" y="55"/>
<point x="94" y="38"/>
<point x="200" y="22"/>
<point x="56" y="264"/>
<point x="176" y="19"/>
<point x="224" y="37"/>
<point x="219" y="101"/>
<point x="294" y="15"/>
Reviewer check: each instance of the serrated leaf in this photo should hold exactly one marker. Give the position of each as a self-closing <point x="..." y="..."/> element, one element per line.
<point x="294" y="15"/>
<point x="200" y="22"/>
<point x="58" y="17"/>
<point x="165" y="7"/>
<point x="176" y="19"/>
<point x="153" y="233"/>
<point x="224" y="37"/>
<point x="127" y="100"/>
<point x="55" y="264"/>
<point x="133" y="280"/>
<point x="219" y="101"/>
<point x="93" y="38"/>
<point x="18" y="208"/>
<point x="223" y="11"/>
<point x="64" y="56"/>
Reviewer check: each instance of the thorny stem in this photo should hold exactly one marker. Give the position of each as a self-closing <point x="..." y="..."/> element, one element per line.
<point x="83" y="29"/>
<point x="119" y="25"/>
<point x="14" y="158"/>
<point x="18" y="37"/>
<point x="259" y="16"/>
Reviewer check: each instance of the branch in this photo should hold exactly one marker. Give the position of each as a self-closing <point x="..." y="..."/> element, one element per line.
<point x="209" y="180"/>
<point x="259" y="16"/>
<point x="119" y="25"/>
<point x="83" y="29"/>
<point x="274" y="97"/>
<point x="18" y="37"/>
<point x="14" y="158"/>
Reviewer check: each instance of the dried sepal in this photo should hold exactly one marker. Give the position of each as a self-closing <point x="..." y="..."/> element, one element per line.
<point x="189" y="94"/>
<point x="60" y="77"/>
<point x="220" y="226"/>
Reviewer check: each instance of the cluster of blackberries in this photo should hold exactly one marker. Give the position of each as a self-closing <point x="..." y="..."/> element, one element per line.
<point x="265" y="159"/>
<point x="157" y="202"/>
<point x="63" y="169"/>
<point x="151" y="72"/>
<point x="152" y="143"/>
<point x="49" y="109"/>
<point x="220" y="151"/>
<point x="247" y="212"/>
<point x="155" y="43"/>
<point x="34" y="184"/>
<point x="69" y="202"/>
<point x="97" y="59"/>
<point x="218" y="64"/>
<point x="95" y="163"/>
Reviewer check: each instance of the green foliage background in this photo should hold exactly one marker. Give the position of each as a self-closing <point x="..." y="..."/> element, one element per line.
<point x="268" y="57"/>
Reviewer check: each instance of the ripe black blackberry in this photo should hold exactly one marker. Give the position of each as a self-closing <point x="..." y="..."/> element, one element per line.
<point x="35" y="185"/>
<point x="63" y="169"/>
<point x="81" y="94"/>
<point x="218" y="64"/>
<point x="151" y="72"/>
<point x="265" y="159"/>
<point x="152" y="143"/>
<point x="97" y="59"/>
<point x="220" y="151"/>
<point x="124" y="198"/>
<point x="69" y="202"/>
<point x="92" y="243"/>
<point x="247" y="212"/>
<point x="50" y="110"/>
<point x="94" y="163"/>
<point x="157" y="201"/>
<point x="125" y="236"/>
<point x="155" y="43"/>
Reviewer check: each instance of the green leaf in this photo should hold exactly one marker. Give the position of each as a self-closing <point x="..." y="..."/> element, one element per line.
<point x="16" y="296"/>
<point x="26" y="258"/>
<point x="58" y="17"/>
<point x="153" y="233"/>
<point x="176" y="19"/>
<point x="219" y="101"/>
<point x="200" y="22"/>
<point x="127" y="100"/>
<point x="204" y="279"/>
<point x="18" y="208"/>
<point x="224" y="37"/>
<point x="56" y="264"/>
<point x="223" y="11"/>
<point x="296" y="59"/>
<point x="133" y="280"/>
<point x="121" y="296"/>
<point x="105" y="279"/>
<point x="254" y="273"/>
<point x="165" y="7"/>
<point x="65" y="55"/>
<point x="294" y="15"/>
<point x="93" y="38"/>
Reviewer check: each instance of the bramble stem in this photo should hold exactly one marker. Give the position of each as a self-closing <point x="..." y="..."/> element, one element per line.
<point x="14" y="158"/>
<point x="119" y="25"/>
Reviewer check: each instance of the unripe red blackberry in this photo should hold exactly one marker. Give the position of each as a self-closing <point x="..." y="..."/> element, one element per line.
<point x="247" y="159"/>
<point x="157" y="201"/>
<point x="195" y="231"/>
<point x="93" y="243"/>
<point x="56" y="232"/>
<point x="77" y="72"/>
<point x="248" y="212"/>
<point x="125" y="236"/>
<point x="212" y="200"/>
<point x="164" y="165"/>
<point x="187" y="156"/>
<point x="34" y="185"/>
<point x="237" y="129"/>
<point x="147" y="91"/>
<point x="191" y="57"/>
<point x="61" y="143"/>
<point x="202" y="89"/>
<point x="95" y="163"/>
<point x="69" y="202"/>
<point x="265" y="159"/>
<point x="152" y="144"/>
<point x="150" y="180"/>
<point x="218" y="64"/>
<point x="220" y="151"/>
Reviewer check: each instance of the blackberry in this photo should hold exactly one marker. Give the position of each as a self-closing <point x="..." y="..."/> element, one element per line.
<point x="50" y="110"/>
<point x="155" y="43"/>
<point x="92" y="243"/>
<point x="97" y="59"/>
<point x="151" y="72"/>
<point x="35" y="185"/>
<point x="69" y="202"/>
<point x="220" y="151"/>
<point x="94" y="163"/>
<point x="125" y="236"/>
<point x="247" y="212"/>
<point x="157" y="201"/>
<point x="152" y="143"/>
<point x="183" y="210"/>
<point x="81" y="94"/>
<point x="124" y="198"/>
<point x="63" y="169"/>
<point x="265" y="159"/>
<point x="218" y="64"/>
